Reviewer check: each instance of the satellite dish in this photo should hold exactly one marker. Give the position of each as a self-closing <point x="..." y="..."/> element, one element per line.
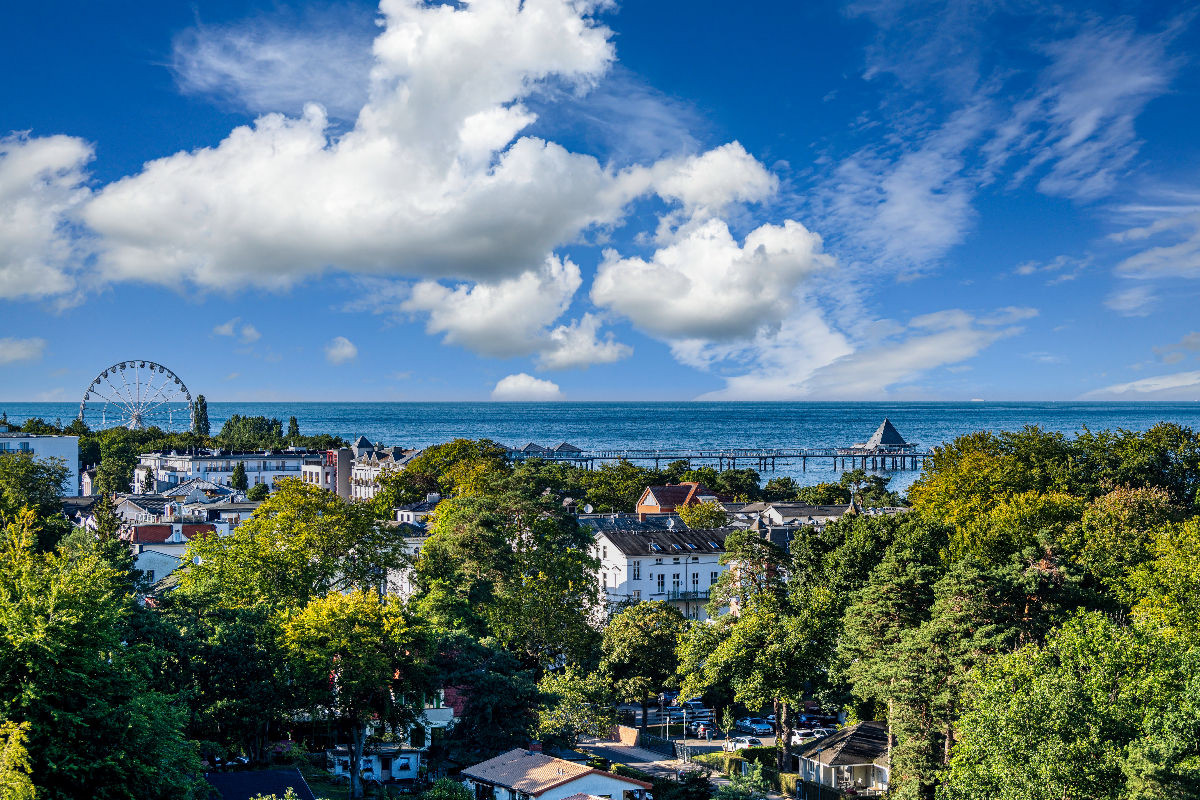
<point x="587" y="509"/>
<point x="671" y="523"/>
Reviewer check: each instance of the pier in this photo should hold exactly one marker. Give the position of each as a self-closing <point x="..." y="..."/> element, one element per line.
<point x="886" y="449"/>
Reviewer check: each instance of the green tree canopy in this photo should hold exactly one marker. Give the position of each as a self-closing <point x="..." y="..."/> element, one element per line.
<point x="362" y="661"/>
<point x="639" y="651"/>
<point x="302" y="542"/>
<point x="704" y="516"/>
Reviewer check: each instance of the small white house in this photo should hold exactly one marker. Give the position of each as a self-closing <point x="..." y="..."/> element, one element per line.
<point x="855" y="757"/>
<point x="386" y="763"/>
<point x="523" y="774"/>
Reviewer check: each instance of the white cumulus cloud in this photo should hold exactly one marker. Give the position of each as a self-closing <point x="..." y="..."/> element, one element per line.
<point x="42" y="183"/>
<point x="704" y="284"/>
<point x="340" y="350"/>
<point x="579" y="344"/>
<point x="431" y="180"/>
<point x="523" y="386"/>
<point x="503" y="319"/>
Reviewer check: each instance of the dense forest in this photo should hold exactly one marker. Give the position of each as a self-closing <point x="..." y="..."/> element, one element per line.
<point x="1029" y="629"/>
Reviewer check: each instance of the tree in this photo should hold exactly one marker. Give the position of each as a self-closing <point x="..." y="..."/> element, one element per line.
<point x="35" y="484"/>
<point x="704" y="516"/>
<point x="447" y="789"/>
<point x="499" y="698"/>
<point x="293" y="431"/>
<point x="301" y="542"/>
<point x="824" y="494"/>
<point x="639" y="651"/>
<point x="250" y="433"/>
<point x="362" y="661"/>
<point x="259" y="491"/>
<point x="750" y="786"/>
<point x="200" y="424"/>
<point x="238" y="479"/>
<point x="508" y="562"/>
<point x="781" y="489"/>
<point x="1080" y="716"/>
<point x="15" y="783"/>
<point x="575" y="705"/>
<point x="73" y="669"/>
<point x="117" y="462"/>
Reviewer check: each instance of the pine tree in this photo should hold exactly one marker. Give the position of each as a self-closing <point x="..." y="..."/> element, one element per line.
<point x="238" y="480"/>
<point x="200" y="416"/>
<point x="293" y="430"/>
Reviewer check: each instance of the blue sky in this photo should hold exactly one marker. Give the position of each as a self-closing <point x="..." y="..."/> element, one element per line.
<point x="587" y="200"/>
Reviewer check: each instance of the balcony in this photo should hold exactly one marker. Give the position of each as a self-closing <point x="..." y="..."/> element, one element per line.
<point x="693" y="594"/>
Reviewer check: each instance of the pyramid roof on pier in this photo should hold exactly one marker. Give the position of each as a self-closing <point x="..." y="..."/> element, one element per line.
<point x="885" y="435"/>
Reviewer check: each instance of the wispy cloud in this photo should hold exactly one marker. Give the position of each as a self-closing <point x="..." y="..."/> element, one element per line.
<point x="14" y="350"/>
<point x="280" y="62"/>
<point x="1176" y="386"/>
<point x="1134" y="301"/>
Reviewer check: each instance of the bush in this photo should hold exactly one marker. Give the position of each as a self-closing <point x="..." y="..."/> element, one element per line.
<point x="630" y="772"/>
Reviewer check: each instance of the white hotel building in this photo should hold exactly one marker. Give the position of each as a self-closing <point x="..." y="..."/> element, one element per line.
<point x="217" y="466"/>
<point x="657" y="559"/>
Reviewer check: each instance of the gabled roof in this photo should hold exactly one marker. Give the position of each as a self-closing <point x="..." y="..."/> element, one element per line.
<point x="196" y="485"/>
<point x="674" y="495"/>
<point x="564" y="447"/>
<point x="533" y="447"/>
<point x="150" y="503"/>
<point x="886" y="435"/>
<point x="534" y="773"/>
<point x="864" y="743"/>
<point x="363" y="442"/>
<point x="678" y="542"/>
<point x="800" y="510"/>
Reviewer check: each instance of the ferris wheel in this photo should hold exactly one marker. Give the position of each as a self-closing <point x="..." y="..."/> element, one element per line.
<point x="137" y="395"/>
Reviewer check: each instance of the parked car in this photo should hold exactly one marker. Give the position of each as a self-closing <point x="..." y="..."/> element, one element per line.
<point x="754" y="725"/>
<point x="741" y="742"/>
<point x="700" y="729"/>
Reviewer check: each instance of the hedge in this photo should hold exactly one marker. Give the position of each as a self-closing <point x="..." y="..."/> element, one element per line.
<point x="630" y="772"/>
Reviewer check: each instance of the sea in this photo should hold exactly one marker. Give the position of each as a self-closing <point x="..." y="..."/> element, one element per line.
<point x="683" y="425"/>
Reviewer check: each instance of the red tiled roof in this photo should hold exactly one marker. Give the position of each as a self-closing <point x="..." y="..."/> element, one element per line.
<point x="160" y="533"/>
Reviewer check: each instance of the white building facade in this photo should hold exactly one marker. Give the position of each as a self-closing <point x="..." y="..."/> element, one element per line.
<point x="173" y="468"/>
<point x="652" y="561"/>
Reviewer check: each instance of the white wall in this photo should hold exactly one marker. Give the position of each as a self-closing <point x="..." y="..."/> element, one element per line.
<point x="617" y="570"/>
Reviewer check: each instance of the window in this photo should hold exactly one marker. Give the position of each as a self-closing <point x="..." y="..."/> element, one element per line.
<point x="714" y="545"/>
<point x="604" y="552"/>
<point x="675" y="546"/>
<point x="674" y="560"/>
<point x="662" y="580"/>
<point x="658" y="561"/>
<point x="675" y="581"/>
<point x="637" y="595"/>
<point x="695" y="581"/>
<point x="655" y="547"/>
<point x="417" y="737"/>
<point x="713" y="578"/>
<point x="691" y="546"/>
<point x="635" y="570"/>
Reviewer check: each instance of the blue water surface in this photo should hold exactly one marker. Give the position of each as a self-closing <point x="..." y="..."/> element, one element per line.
<point x="690" y="425"/>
